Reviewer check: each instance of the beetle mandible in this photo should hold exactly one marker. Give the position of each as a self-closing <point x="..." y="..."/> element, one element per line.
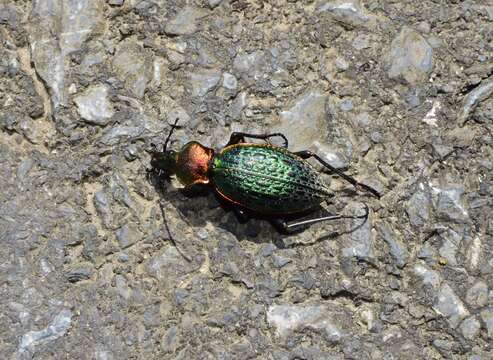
<point x="267" y="180"/>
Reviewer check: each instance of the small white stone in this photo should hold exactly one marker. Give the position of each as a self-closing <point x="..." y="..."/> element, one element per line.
<point x="94" y="105"/>
<point x="229" y="81"/>
<point x="72" y="89"/>
<point x="57" y="328"/>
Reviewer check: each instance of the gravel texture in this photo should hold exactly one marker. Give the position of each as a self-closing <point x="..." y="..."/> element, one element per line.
<point x="397" y="93"/>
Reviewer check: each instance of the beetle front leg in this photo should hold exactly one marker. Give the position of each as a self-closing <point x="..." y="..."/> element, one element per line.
<point x="239" y="137"/>
<point x="306" y="154"/>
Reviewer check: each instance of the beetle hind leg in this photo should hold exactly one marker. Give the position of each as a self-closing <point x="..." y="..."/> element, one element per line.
<point x="239" y="137"/>
<point x="294" y="227"/>
<point x="306" y="154"/>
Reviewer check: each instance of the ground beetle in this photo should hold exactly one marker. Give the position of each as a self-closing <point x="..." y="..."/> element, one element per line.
<point x="262" y="179"/>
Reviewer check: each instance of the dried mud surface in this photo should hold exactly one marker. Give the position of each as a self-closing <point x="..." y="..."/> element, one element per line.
<point x="396" y="93"/>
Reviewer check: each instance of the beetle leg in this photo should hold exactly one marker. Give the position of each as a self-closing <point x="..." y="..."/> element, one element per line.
<point x="282" y="226"/>
<point x="293" y="228"/>
<point x="305" y="154"/>
<point x="330" y="217"/>
<point x="239" y="137"/>
<point x="290" y="228"/>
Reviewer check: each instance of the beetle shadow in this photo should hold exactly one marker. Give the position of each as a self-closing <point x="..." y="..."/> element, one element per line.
<point x="195" y="204"/>
<point x="246" y="225"/>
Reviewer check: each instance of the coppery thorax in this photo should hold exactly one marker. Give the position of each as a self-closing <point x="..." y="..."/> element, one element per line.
<point x="192" y="163"/>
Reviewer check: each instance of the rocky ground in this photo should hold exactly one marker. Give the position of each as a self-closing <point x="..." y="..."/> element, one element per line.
<point x="397" y="93"/>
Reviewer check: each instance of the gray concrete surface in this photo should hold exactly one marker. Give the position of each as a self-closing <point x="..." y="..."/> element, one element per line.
<point x="397" y="93"/>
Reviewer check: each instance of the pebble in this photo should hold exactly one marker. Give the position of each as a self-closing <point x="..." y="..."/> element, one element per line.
<point x="127" y="235"/>
<point x="131" y="152"/>
<point x="133" y="65"/>
<point x="230" y="82"/>
<point x="398" y="249"/>
<point x="341" y="64"/>
<point x="117" y="134"/>
<point x="185" y="22"/>
<point x="470" y="328"/>
<point x="24" y="168"/>
<point x="57" y="328"/>
<point x="428" y="276"/>
<point x="410" y="57"/>
<point x="78" y="272"/>
<point x="251" y="65"/>
<point x="450" y="245"/>
<point x="331" y="155"/>
<point x="213" y="3"/>
<point x="94" y="105"/>
<point x="360" y="241"/>
<point x="472" y="100"/>
<point x="477" y="295"/>
<point x="122" y="287"/>
<point x="346" y="105"/>
<point x="418" y="207"/>
<point x="59" y="31"/>
<point x="280" y="261"/>
<point x="363" y="119"/>
<point x="350" y="12"/>
<point x="361" y="42"/>
<point x="177" y="112"/>
<point x="203" y="234"/>
<point x="448" y="304"/>
<point x="289" y="318"/>
<point x="487" y="317"/>
<point x="303" y="121"/>
<point x="204" y="81"/>
<point x="102" y="204"/>
<point x="448" y="203"/>
<point x="238" y="105"/>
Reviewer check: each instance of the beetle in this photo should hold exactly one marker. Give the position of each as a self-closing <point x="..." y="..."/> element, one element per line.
<point x="258" y="179"/>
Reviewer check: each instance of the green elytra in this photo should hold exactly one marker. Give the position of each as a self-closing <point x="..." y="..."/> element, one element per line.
<point x="267" y="179"/>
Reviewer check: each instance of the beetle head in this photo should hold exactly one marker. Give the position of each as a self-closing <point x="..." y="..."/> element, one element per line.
<point x="190" y="163"/>
<point x="164" y="162"/>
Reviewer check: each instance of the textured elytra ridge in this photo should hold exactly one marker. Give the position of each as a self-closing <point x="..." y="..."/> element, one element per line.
<point x="267" y="179"/>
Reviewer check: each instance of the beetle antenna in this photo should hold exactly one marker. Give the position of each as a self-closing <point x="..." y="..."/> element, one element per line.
<point x="173" y="127"/>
